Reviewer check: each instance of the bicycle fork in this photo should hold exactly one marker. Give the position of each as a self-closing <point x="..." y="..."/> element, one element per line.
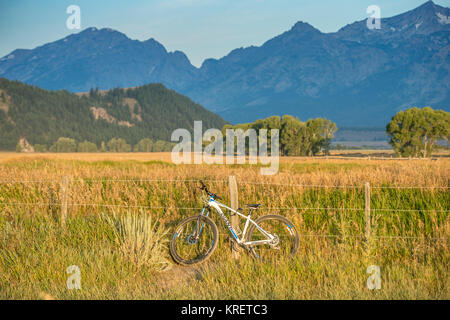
<point x="199" y="229"/>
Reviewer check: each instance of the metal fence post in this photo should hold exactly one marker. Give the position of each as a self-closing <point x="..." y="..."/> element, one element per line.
<point x="234" y="204"/>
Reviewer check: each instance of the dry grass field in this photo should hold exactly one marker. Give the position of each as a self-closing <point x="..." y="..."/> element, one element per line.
<point x="323" y="197"/>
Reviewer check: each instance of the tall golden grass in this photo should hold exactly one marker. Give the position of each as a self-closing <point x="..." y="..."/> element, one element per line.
<point x="140" y="240"/>
<point x="122" y="256"/>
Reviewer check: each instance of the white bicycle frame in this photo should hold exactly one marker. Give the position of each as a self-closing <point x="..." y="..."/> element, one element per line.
<point x="217" y="205"/>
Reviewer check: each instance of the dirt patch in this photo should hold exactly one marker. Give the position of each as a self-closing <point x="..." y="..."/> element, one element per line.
<point x="125" y="124"/>
<point x="178" y="275"/>
<point x="101" y="113"/>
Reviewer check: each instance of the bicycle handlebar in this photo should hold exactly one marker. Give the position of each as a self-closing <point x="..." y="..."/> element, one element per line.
<point x="204" y="188"/>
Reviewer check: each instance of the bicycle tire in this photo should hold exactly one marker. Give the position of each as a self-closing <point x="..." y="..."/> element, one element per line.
<point x="176" y="235"/>
<point x="291" y="229"/>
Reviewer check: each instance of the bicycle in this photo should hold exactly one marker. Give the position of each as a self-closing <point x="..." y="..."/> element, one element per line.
<point x="195" y="238"/>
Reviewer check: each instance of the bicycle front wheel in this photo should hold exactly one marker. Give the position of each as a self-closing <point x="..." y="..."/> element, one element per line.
<point x="286" y="238"/>
<point x="194" y="240"/>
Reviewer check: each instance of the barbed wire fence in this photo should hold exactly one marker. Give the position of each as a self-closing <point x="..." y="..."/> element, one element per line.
<point x="65" y="204"/>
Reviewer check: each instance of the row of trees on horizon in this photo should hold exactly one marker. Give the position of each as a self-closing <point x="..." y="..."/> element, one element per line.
<point x="64" y="144"/>
<point x="413" y="133"/>
<point x="297" y="138"/>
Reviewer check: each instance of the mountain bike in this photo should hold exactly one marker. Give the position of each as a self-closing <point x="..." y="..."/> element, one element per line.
<point x="268" y="237"/>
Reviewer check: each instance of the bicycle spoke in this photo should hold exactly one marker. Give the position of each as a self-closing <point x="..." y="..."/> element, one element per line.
<point x="284" y="242"/>
<point x="193" y="240"/>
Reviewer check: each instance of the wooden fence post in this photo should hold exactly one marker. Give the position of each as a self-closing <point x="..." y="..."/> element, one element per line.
<point x="367" y="210"/>
<point x="64" y="199"/>
<point x="234" y="204"/>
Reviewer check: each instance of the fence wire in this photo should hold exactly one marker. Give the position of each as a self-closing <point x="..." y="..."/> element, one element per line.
<point x="89" y="180"/>
<point x="199" y="208"/>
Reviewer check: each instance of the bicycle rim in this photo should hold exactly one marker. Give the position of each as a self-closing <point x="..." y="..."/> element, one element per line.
<point x="286" y="239"/>
<point x="193" y="241"/>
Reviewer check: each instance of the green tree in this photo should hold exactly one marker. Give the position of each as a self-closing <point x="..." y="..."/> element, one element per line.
<point x="144" y="145"/>
<point x="296" y="137"/>
<point x="320" y="133"/>
<point x="291" y="131"/>
<point x="40" y="148"/>
<point x="103" y="147"/>
<point x="118" y="145"/>
<point x="160" y="146"/>
<point x="414" y="132"/>
<point x="64" y="145"/>
<point x="87" y="146"/>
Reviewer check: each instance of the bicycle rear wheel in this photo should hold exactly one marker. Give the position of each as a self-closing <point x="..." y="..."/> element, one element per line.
<point x="286" y="240"/>
<point x="194" y="240"/>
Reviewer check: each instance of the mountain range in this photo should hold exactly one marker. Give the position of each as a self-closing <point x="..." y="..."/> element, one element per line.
<point x="356" y="76"/>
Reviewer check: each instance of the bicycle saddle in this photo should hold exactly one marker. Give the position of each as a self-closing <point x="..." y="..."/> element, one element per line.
<point x="253" y="206"/>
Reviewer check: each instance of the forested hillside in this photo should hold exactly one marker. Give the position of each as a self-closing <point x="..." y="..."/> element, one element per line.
<point x="42" y="117"/>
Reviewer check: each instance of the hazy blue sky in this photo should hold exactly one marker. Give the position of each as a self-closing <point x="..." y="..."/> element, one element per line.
<point x="200" y="28"/>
